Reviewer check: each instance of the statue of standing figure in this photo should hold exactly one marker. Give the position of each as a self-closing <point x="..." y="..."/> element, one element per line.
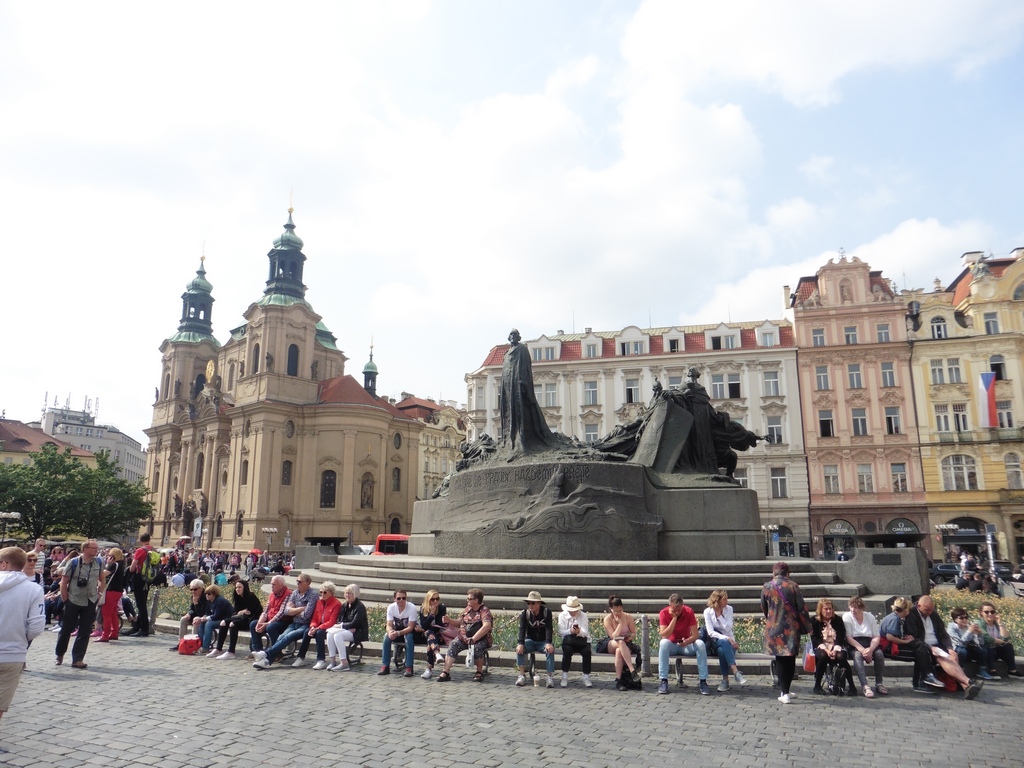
<point x="523" y="428"/>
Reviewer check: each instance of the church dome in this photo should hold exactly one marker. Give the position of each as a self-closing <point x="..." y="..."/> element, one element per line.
<point x="288" y="240"/>
<point x="199" y="283"/>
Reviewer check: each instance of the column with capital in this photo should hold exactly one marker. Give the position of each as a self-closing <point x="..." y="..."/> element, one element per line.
<point x="346" y="508"/>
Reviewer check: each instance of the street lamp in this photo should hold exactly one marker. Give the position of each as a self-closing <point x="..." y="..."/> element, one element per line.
<point x="768" y="530"/>
<point x="944" y="530"/>
<point x="271" y="532"/>
<point x="4" y="517"/>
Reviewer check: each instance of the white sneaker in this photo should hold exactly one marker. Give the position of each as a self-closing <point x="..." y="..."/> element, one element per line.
<point x="785" y="698"/>
<point x="740" y="678"/>
<point x="320" y="665"/>
<point x="213" y="654"/>
<point x="551" y="682"/>
<point x="261" y="663"/>
<point x="259" y="655"/>
<point x="427" y="673"/>
<point x="586" y="682"/>
<point x="521" y="681"/>
<point x="299" y="662"/>
<point x="226" y="656"/>
<point x="565" y="680"/>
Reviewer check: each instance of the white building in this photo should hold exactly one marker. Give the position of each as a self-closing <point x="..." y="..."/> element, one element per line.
<point x="588" y="383"/>
<point x="80" y="429"/>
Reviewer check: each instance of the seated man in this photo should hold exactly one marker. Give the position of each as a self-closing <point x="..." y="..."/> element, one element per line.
<point x="574" y="628"/>
<point x="474" y="625"/>
<point x="536" y="626"/>
<point x="299" y="608"/>
<point x="925" y="627"/>
<point x="677" y="625"/>
<point x="189" y="624"/>
<point x="995" y="642"/>
<point x="273" y="621"/>
<point x="401" y="623"/>
<point x="966" y="639"/>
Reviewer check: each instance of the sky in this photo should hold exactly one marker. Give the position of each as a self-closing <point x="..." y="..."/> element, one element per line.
<point x="460" y="168"/>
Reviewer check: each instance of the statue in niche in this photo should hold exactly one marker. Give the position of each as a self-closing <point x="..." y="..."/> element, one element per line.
<point x="270" y="363"/>
<point x="366" y="492"/>
<point x="177" y="387"/>
<point x="156" y="394"/>
<point x="177" y="505"/>
<point x="523" y="427"/>
<point x="313" y="369"/>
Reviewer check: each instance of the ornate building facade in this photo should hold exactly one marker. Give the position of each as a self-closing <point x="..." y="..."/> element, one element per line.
<point x="857" y="397"/>
<point x="589" y="383"/>
<point x="264" y="441"/>
<point x="967" y="341"/>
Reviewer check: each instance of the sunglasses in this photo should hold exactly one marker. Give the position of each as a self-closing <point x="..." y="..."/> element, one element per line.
<point x="435" y="599"/>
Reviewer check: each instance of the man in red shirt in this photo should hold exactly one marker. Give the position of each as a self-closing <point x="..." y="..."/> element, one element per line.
<point x="273" y="621"/>
<point x="679" y="629"/>
<point x="140" y="588"/>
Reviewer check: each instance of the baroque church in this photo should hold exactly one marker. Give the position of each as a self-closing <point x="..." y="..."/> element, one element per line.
<point x="264" y="441"/>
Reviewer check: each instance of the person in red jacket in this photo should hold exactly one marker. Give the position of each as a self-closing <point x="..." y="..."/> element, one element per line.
<point x="325" y="616"/>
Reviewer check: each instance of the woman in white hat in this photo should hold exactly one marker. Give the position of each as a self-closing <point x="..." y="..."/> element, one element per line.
<point x="574" y="627"/>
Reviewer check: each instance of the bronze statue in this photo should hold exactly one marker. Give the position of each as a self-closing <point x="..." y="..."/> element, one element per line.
<point x="523" y="428"/>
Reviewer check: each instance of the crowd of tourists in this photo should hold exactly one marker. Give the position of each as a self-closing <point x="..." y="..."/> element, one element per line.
<point x="85" y="594"/>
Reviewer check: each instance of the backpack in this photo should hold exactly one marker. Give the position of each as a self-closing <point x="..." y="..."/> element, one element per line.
<point x="150" y="566"/>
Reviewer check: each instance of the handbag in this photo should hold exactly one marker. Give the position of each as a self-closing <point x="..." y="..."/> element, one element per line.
<point x="809" y="658"/>
<point x="710" y="643"/>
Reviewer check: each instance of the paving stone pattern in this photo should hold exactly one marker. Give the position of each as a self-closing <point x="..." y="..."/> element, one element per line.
<point x="178" y="712"/>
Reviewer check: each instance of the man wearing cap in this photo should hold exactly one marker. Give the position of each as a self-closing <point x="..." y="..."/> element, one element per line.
<point x="199" y="607"/>
<point x="536" y="626"/>
<point x="678" y="628"/>
<point x="574" y="627"/>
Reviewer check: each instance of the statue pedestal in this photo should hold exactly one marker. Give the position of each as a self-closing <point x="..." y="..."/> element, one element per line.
<point x="580" y="510"/>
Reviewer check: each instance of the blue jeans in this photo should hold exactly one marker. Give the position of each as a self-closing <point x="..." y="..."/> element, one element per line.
<point x="726" y="655"/>
<point x="320" y="638"/>
<point x="410" y="650"/>
<point x="273" y="631"/>
<point x="294" y="632"/>
<point x="536" y="646"/>
<point x="667" y="648"/>
<point x="206" y="633"/>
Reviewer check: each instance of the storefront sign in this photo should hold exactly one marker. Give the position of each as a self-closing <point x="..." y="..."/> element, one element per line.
<point x="901" y="525"/>
<point x="839" y="528"/>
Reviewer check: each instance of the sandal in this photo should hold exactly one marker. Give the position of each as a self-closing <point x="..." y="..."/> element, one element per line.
<point x="868" y="693"/>
<point x="478" y="677"/>
<point x="882" y="690"/>
<point x="444" y="677"/>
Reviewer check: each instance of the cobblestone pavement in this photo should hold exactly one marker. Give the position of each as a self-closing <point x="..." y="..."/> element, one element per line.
<point x="139" y="704"/>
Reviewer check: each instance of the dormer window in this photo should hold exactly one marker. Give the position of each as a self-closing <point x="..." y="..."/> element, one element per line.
<point x="673" y="345"/>
<point x="939" y="328"/>
<point x="543" y="353"/>
<point x="768" y="338"/>
<point x="590" y="350"/>
<point x="631" y="348"/>
<point x="723" y="342"/>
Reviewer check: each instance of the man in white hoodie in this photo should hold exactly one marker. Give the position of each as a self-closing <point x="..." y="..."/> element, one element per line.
<point x="22" y="616"/>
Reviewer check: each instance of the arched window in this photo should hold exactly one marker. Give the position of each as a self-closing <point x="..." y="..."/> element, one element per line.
<point x="231" y="375"/>
<point x="396" y="479"/>
<point x="218" y="528"/>
<point x="239" y="529"/>
<point x="167" y="386"/>
<point x="328" y="487"/>
<point x="286" y="473"/>
<point x="939" y="330"/>
<point x="293" y="360"/>
<point x="243" y="478"/>
<point x="1014" y="477"/>
<point x="396" y="525"/>
<point x="156" y="481"/>
<point x="200" y="461"/>
<point x="959" y="473"/>
<point x="255" y="359"/>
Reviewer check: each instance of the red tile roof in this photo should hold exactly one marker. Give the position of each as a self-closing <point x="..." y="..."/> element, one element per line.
<point x="657" y="345"/>
<point x="571" y="350"/>
<point x="18" y="437"/>
<point x="961" y="286"/>
<point x="786" y="336"/>
<point x="694" y="342"/>
<point x="345" y="390"/>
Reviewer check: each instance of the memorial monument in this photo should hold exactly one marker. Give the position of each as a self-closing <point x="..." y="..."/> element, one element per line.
<point x="658" y="488"/>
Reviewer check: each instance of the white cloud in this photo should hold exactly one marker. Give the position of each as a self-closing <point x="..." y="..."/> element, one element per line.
<point x="818" y="169"/>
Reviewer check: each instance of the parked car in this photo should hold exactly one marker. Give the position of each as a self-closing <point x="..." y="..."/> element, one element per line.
<point x="1004" y="569"/>
<point x="945" y="573"/>
<point x="391" y="544"/>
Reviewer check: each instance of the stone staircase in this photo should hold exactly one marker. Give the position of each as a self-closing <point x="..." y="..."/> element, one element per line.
<point x="643" y="586"/>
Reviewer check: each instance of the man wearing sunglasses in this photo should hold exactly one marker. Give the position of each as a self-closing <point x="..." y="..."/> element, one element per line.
<point x="995" y="642"/>
<point x="401" y="619"/>
<point x="199" y="607"/>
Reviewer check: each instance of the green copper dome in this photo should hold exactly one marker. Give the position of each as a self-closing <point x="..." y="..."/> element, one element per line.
<point x="199" y="283"/>
<point x="288" y="239"/>
<point x="370" y="367"/>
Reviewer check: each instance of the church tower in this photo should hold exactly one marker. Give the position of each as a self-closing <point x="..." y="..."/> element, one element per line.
<point x="370" y="375"/>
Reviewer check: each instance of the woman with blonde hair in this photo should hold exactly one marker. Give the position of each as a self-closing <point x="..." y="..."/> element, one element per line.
<point x="117" y="573"/>
<point x="722" y="637"/>
<point x="828" y="638"/>
<point x="429" y="628"/>
<point x="863" y="636"/>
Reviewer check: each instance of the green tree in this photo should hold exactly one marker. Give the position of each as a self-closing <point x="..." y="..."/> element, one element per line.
<point x="43" y="491"/>
<point x="106" y="506"/>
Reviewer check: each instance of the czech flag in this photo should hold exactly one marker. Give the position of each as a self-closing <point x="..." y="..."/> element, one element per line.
<point x="987" y="382"/>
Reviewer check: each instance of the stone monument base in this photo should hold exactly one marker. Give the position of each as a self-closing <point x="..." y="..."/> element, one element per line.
<point x="586" y="510"/>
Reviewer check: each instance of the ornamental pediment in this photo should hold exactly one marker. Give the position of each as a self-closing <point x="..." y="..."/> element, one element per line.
<point x="590" y="416"/>
<point x="824" y="401"/>
<point x="329" y="461"/>
<point x="368" y="462"/>
<point x="950" y="391"/>
<point x="288" y="450"/>
<point x="773" y="408"/>
<point x="396" y="458"/>
<point x="892" y="396"/>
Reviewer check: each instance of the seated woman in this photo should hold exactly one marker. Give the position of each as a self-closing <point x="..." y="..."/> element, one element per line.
<point x="247" y="607"/>
<point x="219" y="611"/>
<point x="828" y="635"/>
<point x="325" y="614"/>
<point x="863" y="636"/>
<point x="352" y="627"/>
<point x="474" y="625"/>
<point x="621" y="629"/>
<point x="967" y="642"/>
<point x="995" y="641"/>
<point x="718" y="624"/>
<point x="429" y="628"/>
<point x="892" y="631"/>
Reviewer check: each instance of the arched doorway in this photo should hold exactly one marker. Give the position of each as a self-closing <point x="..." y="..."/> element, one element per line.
<point x="838" y="535"/>
<point x="396" y="525"/>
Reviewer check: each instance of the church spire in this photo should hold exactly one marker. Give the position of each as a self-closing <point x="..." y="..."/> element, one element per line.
<point x="196" y="308"/>
<point x="286" y="262"/>
<point x="370" y="374"/>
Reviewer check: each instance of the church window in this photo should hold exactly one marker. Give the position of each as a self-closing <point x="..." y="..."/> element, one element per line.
<point x="293" y="360"/>
<point x="396" y="479"/>
<point x="255" y="359"/>
<point x="328" y="488"/>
